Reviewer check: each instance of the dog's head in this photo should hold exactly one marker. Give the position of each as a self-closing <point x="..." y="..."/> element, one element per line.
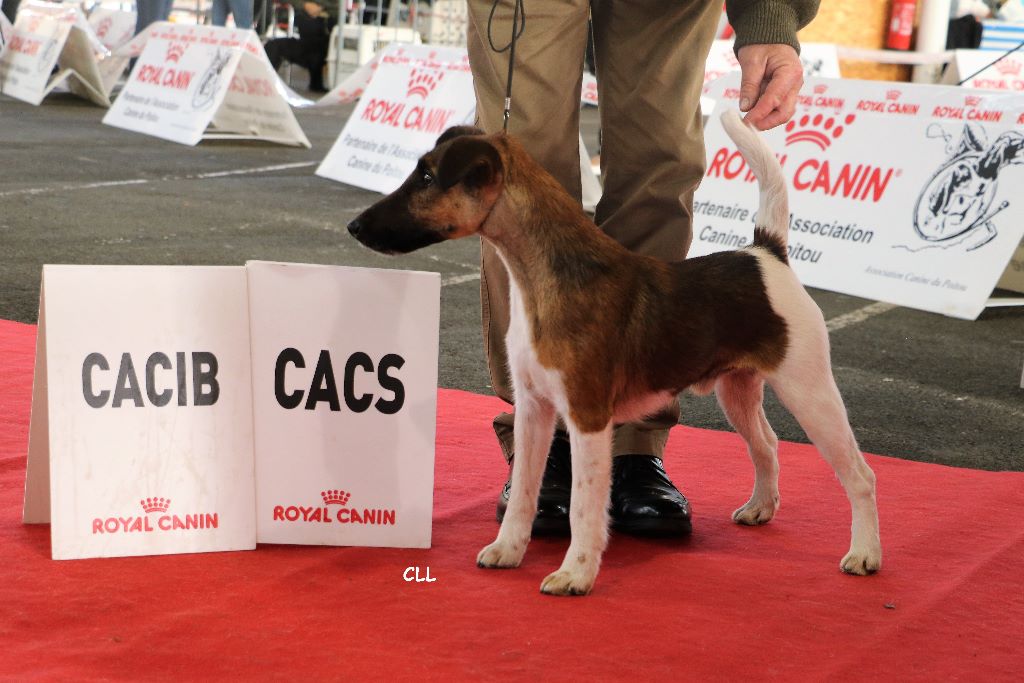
<point x="448" y="196"/>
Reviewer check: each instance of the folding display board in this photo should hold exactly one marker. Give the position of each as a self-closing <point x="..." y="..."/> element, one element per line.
<point x="898" y="192"/>
<point x="192" y="83"/>
<point x="344" y="403"/>
<point x="48" y="36"/>
<point x="166" y="397"/>
<point x="141" y="433"/>
<point x="416" y="93"/>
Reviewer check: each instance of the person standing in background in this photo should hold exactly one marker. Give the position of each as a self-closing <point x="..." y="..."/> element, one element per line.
<point x="240" y="10"/>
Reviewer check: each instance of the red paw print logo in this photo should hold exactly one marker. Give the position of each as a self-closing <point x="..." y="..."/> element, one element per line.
<point x="818" y="129"/>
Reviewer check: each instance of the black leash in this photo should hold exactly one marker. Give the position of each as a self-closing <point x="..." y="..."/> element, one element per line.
<point x="518" y="24"/>
<point x="993" y="62"/>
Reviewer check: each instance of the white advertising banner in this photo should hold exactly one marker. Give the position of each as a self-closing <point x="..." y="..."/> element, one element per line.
<point x="6" y="30"/>
<point x="344" y="403"/>
<point x="898" y="192"/>
<point x="819" y="59"/>
<point x="48" y="36"/>
<point x="982" y="71"/>
<point x="196" y="82"/>
<point x="416" y="94"/>
<point x="352" y="87"/>
<point x="113" y="27"/>
<point x="141" y="434"/>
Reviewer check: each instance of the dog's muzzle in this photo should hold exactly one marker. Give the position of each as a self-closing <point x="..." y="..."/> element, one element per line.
<point x="355" y="227"/>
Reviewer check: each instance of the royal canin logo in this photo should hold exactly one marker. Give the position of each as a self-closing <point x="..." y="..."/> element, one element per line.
<point x="175" y="51"/>
<point x="104" y="27"/>
<point x="324" y="514"/>
<point x="1008" y="67"/>
<point x="819" y="129"/>
<point x="147" y="522"/>
<point x="861" y="182"/>
<point x="893" y="94"/>
<point x="422" y="82"/>
<point x="820" y="89"/>
<point x="972" y="100"/>
<point x="155" y="504"/>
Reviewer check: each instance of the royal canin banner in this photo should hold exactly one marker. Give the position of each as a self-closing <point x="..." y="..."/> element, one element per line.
<point x="897" y="192"/>
<point x="982" y="71"/>
<point x="141" y="434"/>
<point x="51" y="44"/>
<point x="200" y="82"/>
<point x="344" y="403"/>
<point x="353" y="86"/>
<point x="819" y="59"/>
<point x="417" y="92"/>
<point x="113" y="27"/>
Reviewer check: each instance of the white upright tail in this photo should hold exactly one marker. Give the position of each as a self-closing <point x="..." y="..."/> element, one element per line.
<point x="773" y="212"/>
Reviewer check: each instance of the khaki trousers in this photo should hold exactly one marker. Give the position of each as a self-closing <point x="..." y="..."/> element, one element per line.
<point x="650" y="58"/>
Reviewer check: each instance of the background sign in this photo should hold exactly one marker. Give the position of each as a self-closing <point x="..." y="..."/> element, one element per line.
<point x="345" y="396"/>
<point x="141" y="435"/>
<point x="113" y="27"/>
<point x="45" y="36"/>
<point x="416" y="94"/>
<point x="1007" y="74"/>
<point x="189" y="77"/>
<point x="898" y="192"/>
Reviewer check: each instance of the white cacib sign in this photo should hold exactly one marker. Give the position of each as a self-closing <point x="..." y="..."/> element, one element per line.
<point x="898" y="192"/>
<point x="141" y="433"/>
<point x="345" y="398"/>
<point x="200" y="82"/>
<point x="48" y="36"/>
<point x="416" y="94"/>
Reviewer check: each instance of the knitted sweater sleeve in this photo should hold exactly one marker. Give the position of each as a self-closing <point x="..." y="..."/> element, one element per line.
<point x="769" y="21"/>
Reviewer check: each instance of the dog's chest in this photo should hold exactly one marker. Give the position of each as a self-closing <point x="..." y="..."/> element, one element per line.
<point x="527" y="372"/>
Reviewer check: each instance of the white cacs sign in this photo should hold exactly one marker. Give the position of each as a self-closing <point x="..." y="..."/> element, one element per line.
<point x="48" y="35"/>
<point x="344" y="403"/>
<point x="191" y="78"/>
<point x="898" y="192"/>
<point x="141" y="434"/>
<point x="417" y="92"/>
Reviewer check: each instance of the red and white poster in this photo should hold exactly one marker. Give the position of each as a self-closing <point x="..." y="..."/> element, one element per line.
<point x="898" y="192"/>
<point x="113" y="27"/>
<point x="50" y="44"/>
<point x="196" y="82"/>
<point x="141" y="434"/>
<point x="983" y="70"/>
<point x="416" y="93"/>
<point x="353" y="86"/>
<point x="344" y="403"/>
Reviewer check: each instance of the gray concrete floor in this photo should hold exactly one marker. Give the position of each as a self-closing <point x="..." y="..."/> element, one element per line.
<point x="917" y="385"/>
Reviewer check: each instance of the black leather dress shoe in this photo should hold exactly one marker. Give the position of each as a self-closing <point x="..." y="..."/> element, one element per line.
<point x="553" y="503"/>
<point x="644" y="500"/>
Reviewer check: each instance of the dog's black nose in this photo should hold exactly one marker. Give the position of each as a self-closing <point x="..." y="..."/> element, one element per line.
<point x="354" y="227"/>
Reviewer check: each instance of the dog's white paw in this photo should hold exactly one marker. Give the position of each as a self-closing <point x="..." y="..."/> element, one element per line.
<point x="565" y="582"/>
<point x="862" y="562"/>
<point x="501" y="555"/>
<point x="756" y="512"/>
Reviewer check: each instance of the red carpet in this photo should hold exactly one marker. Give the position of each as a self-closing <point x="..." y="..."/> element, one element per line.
<point x="731" y="602"/>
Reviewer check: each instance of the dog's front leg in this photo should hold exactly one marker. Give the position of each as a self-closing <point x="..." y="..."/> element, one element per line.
<point x="533" y="429"/>
<point x="588" y="512"/>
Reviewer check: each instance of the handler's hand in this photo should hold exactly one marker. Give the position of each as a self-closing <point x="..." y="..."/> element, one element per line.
<point x="771" y="79"/>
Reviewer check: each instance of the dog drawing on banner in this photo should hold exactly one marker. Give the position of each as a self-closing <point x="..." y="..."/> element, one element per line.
<point x="728" y="321"/>
<point x="955" y="206"/>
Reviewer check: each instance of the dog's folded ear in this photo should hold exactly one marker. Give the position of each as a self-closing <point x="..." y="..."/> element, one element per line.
<point x="457" y="131"/>
<point x="471" y="160"/>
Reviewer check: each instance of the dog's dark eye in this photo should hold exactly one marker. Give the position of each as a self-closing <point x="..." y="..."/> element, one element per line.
<point x="427" y="179"/>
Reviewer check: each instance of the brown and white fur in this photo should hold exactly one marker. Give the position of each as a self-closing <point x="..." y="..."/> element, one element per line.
<point x="600" y="336"/>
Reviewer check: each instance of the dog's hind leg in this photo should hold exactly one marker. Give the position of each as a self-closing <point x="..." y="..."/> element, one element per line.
<point x="533" y="428"/>
<point x="741" y="395"/>
<point x="588" y="512"/>
<point x="805" y="385"/>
